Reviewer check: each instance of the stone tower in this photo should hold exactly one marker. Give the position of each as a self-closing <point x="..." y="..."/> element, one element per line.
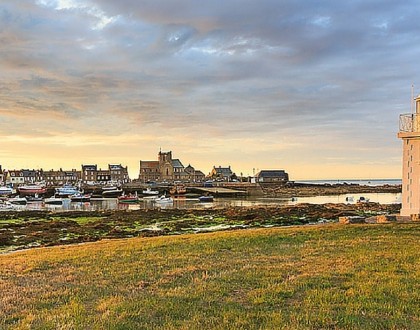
<point x="409" y="132"/>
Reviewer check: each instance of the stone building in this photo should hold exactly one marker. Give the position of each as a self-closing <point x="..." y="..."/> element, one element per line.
<point x="115" y="173"/>
<point x="166" y="169"/>
<point x="272" y="177"/>
<point x="103" y="176"/>
<point x="25" y="176"/>
<point x="89" y="173"/>
<point x="118" y="173"/>
<point x="193" y="175"/>
<point x="221" y="173"/>
<point x="149" y="171"/>
<point x="60" y="177"/>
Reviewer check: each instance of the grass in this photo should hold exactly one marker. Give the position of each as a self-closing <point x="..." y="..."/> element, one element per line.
<point x="311" y="277"/>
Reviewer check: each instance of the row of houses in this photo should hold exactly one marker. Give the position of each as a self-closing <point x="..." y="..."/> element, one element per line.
<point x="88" y="174"/>
<point x="164" y="169"/>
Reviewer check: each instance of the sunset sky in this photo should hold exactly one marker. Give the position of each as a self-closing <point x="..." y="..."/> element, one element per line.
<point x="312" y="87"/>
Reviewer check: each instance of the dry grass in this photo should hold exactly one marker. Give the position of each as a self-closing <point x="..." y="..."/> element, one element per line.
<point x="320" y="277"/>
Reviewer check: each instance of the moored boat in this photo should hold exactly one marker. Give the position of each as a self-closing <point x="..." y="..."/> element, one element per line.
<point x="66" y="190"/>
<point x="18" y="200"/>
<point x="53" y="200"/>
<point x="206" y="199"/>
<point x="163" y="200"/>
<point x="112" y="193"/>
<point x="32" y="189"/>
<point x="363" y="200"/>
<point x="6" y="206"/>
<point x="34" y="198"/>
<point x="150" y="192"/>
<point x="5" y="191"/>
<point x="79" y="197"/>
<point x="128" y="198"/>
<point x="178" y="189"/>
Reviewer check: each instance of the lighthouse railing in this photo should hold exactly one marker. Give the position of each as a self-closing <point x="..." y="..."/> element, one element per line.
<point x="409" y="122"/>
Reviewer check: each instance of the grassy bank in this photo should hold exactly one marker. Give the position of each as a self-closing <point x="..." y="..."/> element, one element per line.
<point x="311" y="277"/>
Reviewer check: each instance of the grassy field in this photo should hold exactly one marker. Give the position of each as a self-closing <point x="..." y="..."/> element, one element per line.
<point x="308" y="277"/>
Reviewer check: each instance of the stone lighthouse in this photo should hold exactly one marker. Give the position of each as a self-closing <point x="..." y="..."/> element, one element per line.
<point x="409" y="132"/>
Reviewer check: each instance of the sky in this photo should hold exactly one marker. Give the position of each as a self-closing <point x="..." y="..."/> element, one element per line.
<point x="312" y="87"/>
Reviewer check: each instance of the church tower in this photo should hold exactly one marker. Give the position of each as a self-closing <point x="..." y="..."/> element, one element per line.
<point x="409" y="132"/>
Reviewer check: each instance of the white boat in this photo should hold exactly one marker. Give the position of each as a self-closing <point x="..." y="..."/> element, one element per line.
<point x="109" y="187"/>
<point x="18" y="200"/>
<point x="53" y="200"/>
<point x="34" y="199"/>
<point x="115" y="192"/>
<point x="6" y="206"/>
<point x="206" y="199"/>
<point x="66" y="190"/>
<point x="4" y="191"/>
<point x="150" y="192"/>
<point x="79" y="197"/>
<point x="163" y="200"/>
<point x="363" y="200"/>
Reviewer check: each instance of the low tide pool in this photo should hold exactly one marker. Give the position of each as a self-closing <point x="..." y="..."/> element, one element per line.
<point x="194" y="203"/>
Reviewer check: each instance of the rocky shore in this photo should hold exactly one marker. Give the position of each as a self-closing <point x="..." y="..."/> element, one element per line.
<point x="310" y="190"/>
<point x="26" y="229"/>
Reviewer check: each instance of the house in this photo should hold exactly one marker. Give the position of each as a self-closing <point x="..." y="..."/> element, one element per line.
<point x="60" y="177"/>
<point x="18" y="177"/>
<point x="103" y="176"/>
<point x="118" y="173"/>
<point x="192" y="175"/>
<point x="149" y="171"/>
<point x="114" y="172"/>
<point x="221" y="173"/>
<point x="89" y="173"/>
<point x="14" y="177"/>
<point x="272" y="177"/>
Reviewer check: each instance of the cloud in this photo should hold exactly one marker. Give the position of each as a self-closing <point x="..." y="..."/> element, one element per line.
<point x="313" y="75"/>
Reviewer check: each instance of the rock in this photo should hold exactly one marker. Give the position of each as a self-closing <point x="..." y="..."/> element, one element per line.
<point x="385" y="218"/>
<point x="415" y="217"/>
<point x="351" y="219"/>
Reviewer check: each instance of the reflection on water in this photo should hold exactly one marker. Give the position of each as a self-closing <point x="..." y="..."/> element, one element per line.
<point x="193" y="203"/>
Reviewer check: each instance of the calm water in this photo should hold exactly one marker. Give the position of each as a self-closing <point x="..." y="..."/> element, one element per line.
<point x="192" y="203"/>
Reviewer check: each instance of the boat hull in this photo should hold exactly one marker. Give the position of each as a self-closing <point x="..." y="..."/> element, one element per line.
<point x="31" y="190"/>
<point x="112" y="193"/>
<point x="53" y="201"/>
<point x="206" y="199"/>
<point x="18" y="201"/>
